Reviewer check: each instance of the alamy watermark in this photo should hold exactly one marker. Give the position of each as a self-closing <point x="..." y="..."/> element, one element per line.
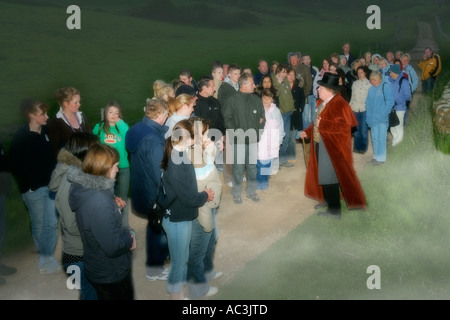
<point x="374" y="21"/>
<point x="74" y="280"/>
<point x="74" y="21"/>
<point x="374" y="281"/>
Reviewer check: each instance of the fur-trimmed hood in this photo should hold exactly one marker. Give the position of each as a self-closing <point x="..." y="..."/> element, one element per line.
<point x="88" y="181"/>
<point x="68" y="158"/>
<point x="65" y="159"/>
<point x="88" y="188"/>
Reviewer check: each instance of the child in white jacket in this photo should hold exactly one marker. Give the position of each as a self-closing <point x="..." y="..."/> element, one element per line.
<point x="270" y="142"/>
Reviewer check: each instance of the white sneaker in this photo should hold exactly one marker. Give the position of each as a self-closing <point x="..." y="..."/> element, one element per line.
<point x="212" y="291"/>
<point x="230" y="184"/>
<point x="162" y="277"/>
<point x="217" y="275"/>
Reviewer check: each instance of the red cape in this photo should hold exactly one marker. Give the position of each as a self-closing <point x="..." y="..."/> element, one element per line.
<point x="337" y="120"/>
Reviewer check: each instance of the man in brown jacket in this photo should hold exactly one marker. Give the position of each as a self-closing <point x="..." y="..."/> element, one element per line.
<point x="294" y="59"/>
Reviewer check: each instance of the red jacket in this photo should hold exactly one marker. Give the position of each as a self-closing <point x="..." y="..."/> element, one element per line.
<point x="337" y="120"/>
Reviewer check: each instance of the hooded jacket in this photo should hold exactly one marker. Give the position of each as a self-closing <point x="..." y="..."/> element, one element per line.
<point x="71" y="237"/>
<point x="106" y="242"/>
<point x="401" y="90"/>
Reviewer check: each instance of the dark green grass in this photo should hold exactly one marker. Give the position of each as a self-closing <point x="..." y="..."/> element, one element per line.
<point x="404" y="231"/>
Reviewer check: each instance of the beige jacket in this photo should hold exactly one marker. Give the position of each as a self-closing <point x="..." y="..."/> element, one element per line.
<point x="210" y="180"/>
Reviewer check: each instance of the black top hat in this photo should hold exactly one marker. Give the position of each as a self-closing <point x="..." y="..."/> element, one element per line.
<point x="330" y="80"/>
<point x="186" y="89"/>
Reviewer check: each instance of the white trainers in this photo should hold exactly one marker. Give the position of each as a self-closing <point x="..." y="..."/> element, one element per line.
<point x="217" y="275"/>
<point x="212" y="291"/>
<point x="161" y="276"/>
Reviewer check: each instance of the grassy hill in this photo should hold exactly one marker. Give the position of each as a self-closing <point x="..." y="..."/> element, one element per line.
<point x="118" y="56"/>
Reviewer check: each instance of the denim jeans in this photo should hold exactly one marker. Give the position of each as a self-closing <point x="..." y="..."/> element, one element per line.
<point x="208" y="261"/>
<point x="361" y="135"/>
<point x="292" y="144"/>
<point x="308" y="111"/>
<point x="427" y="85"/>
<point x="264" y="168"/>
<point x="178" y="238"/>
<point x="157" y="251"/>
<point x="379" y="135"/>
<point x="121" y="190"/>
<point x="287" y="128"/>
<point x="44" y="220"/>
<point x="87" y="290"/>
<point x="201" y="251"/>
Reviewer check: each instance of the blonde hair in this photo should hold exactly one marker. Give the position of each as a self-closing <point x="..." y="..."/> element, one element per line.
<point x="156" y="107"/>
<point x="407" y="56"/>
<point x="175" y="104"/>
<point x="376" y="74"/>
<point x="158" y="84"/>
<point x="163" y="91"/>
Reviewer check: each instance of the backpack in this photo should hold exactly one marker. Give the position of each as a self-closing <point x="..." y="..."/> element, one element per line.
<point x="410" y="90"/>
<point x="438" y="69"/>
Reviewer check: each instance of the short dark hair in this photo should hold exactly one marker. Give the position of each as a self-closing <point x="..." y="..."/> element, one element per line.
<point x="282" y="66"/>
<point x="186" y="72"/>
<point x="268" y="93"/>
<point x="31" y="106"/>
<point x="204" y="82"/>
<point x="216" y="64"/>
<point x="233" y="66"/>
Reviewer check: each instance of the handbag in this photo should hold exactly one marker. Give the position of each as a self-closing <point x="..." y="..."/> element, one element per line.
<point x="156" y="213"/>
<point x="393" y="119"/>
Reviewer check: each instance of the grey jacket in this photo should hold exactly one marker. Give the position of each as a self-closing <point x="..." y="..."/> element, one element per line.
<point x="106" y="241"/>
<point x="71" y="238"/>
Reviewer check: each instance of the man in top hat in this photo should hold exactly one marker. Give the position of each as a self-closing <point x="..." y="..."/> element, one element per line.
<point x="330" y="169"/>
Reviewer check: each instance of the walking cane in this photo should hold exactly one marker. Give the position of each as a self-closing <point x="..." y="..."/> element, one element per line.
<point x="304" y="152"/>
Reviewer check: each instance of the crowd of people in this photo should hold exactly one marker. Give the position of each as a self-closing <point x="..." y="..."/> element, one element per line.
<point x="232" y="122"/>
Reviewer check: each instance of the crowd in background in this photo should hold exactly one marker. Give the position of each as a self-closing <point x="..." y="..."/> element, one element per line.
<point x="80" y="176"/>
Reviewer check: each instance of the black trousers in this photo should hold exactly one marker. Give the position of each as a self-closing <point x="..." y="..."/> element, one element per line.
<point x="122" y="290"/>
<point x="332" y="196"/>
<point x="331" y="193"/>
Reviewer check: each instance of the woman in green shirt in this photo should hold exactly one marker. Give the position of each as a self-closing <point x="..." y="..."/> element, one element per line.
<point x="112" y="131"/>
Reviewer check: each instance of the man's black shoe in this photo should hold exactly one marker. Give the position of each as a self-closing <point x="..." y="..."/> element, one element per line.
<point x="329" y="215"/>
<point x="320" y="205"/>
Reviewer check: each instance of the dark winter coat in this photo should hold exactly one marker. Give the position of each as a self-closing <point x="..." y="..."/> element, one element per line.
<point x="106" y="241"/>
<point x="145" y="145"/>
